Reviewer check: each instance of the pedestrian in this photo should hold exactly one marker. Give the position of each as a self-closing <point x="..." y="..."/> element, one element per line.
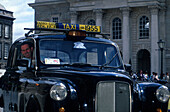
<point x="134" y="76"/>
<point x="156" y="77"/>
<point x="146" y="76"/>
<point x="167" y="76"/>
<point x="141" y="75"/>
<point x="164" y="77"/>
<point x="152" y="76"/>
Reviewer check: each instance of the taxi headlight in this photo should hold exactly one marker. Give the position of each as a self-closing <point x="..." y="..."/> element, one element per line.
<point x="162" y="94"/>
<point x="58" y="92"/>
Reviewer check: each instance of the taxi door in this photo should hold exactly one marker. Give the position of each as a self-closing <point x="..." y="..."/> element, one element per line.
<point x="17" y="67"/>
<point x="10" y="82"/>
<point x="10" y="94"/>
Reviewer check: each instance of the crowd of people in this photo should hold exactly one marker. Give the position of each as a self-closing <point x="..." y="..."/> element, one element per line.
<point x="146" y="77"/>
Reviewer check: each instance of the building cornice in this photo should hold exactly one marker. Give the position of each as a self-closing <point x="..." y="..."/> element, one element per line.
<point x="7" y="17"/>
<point x="76" y="5"/>
<point x="6" y="14"/>
<point x="136" y="3"/>
<point x="46" y="3"/>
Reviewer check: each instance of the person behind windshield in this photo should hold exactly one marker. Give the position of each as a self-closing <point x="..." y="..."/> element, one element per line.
<point x="26" y="50"/>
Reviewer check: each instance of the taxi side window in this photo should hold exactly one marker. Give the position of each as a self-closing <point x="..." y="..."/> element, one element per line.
<point x="13" y="56"/>
<point x="20" y="52"/>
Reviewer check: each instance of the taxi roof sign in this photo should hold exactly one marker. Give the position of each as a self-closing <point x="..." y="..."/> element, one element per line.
<point x="53" y="25"/>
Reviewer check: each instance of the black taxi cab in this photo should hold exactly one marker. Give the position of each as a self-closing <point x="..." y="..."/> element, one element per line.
<point x="60" y="68"/>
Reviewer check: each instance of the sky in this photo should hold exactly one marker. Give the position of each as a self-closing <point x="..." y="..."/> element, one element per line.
<point x="23" y="14"/>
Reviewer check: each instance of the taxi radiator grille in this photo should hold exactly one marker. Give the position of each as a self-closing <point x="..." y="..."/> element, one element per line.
<point x="113" y="97"/>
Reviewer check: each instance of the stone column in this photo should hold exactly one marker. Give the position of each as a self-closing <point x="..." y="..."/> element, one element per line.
<point x="154" y="39"/>
<point x="99" y="16"/>
<point x="73" y="15"/>
<point x="126" y="34"/>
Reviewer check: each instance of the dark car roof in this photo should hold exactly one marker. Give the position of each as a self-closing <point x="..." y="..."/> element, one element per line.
<point x="63" y="36"/>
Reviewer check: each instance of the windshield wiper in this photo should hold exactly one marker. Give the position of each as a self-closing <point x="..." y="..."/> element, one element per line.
<point x="107" y="63"/>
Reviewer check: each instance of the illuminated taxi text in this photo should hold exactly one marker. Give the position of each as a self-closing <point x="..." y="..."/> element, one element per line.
<point x="53" y="25"/>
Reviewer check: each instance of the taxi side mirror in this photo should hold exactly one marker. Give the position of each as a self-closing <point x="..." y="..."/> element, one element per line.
<point x="128" y="67"/>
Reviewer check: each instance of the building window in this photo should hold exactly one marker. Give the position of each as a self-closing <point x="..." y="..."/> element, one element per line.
<point x="0" y="50"/>
<point x="6" y="50"/>
<point x="55" y="19"/>
<point x="91" y="22"/>
<point x="117" y="28"/>
<point x="144" y="27"/>
<point x="0" y="30"/>
<point x="6" y="31"/>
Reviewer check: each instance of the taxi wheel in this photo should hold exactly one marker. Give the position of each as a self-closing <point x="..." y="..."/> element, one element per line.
<point x="33" y="106"/>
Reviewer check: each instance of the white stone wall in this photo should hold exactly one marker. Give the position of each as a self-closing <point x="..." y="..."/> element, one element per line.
<point x="46" y="12"/>
<point x="136" y="43"/>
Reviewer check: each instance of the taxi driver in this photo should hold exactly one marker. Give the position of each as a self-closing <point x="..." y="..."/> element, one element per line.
<point x="26" y="50"/>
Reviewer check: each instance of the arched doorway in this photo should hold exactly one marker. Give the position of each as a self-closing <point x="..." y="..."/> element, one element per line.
<point x="143" y="61"/>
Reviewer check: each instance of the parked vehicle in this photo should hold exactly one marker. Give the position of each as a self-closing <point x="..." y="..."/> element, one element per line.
<point x="69" y="71"/>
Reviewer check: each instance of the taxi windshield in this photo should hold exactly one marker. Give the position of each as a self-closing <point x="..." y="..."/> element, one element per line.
<point x="59" y="52"/>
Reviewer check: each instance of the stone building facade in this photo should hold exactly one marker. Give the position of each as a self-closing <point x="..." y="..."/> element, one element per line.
<point x="6" y="23"/>
<point x="135" y="25"/>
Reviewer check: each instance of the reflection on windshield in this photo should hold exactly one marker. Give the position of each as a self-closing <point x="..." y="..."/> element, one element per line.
<point x="56" y="52"/>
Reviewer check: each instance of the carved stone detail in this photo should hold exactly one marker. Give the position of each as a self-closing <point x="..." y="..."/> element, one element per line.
<point x="125" y="11"/>
<point x="98" y="12"/>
